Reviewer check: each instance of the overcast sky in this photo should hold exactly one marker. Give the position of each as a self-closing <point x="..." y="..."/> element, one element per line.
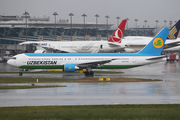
<point x="150" y="10"/>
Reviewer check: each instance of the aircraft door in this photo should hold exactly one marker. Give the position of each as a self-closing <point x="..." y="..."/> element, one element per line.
<point x="101" y="47"/>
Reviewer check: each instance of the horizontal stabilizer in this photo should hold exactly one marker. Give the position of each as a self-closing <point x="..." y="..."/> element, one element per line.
<point x="155" y="58"/>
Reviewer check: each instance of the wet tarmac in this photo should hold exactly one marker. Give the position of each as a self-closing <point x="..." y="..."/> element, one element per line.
<point x="161" y="92"/>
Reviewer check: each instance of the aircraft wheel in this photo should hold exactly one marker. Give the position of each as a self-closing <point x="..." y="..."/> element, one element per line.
<point x="86" y="74"/>
<point x="20" y="73"/>
<point x="91" y="73"/>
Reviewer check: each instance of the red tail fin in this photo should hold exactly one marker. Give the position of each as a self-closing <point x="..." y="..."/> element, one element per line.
<point x="117" y="35"/>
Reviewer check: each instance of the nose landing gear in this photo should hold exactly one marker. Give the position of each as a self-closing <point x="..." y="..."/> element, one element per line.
<point x="20" y="73"/>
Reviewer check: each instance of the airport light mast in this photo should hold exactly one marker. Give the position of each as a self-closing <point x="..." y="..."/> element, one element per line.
<point x="145" y="21"/>
<point x="127" y="22"/>
<point x="107" y="24"/>
<point x="165" y="23"/>
<point x="84" y="15"/>
<point x="170" y="23"/>
<point x="96" y="23"/>
<point x="117" y="20"/>
<point x="156" y="25"/>
<point x="26" y="14"/>
<point x="55" y="13"/>
<point x="136" y="25"/>
<point x="136" y="22"/>
<point x="71" y="14"/>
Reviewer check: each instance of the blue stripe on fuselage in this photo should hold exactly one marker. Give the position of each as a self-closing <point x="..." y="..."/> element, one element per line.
<point x="85" y="54"/>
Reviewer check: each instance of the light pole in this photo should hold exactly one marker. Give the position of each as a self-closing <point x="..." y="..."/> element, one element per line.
<point x="107" y="24"/>
<point x="71" y="23"/>
<point x="96" y="23"/>
<point x="165" y="23"/>
<point x="145" y="26"/>
<point x="145" y="21"/>
<point x="55" y="13"/>
<point x="170" y="23"/>
<point x="26" y="14"/>
<point x="117" y="20"/>
<point x="156" y="25"/>
<point x="136" y="22"/>
<point x="84" y="15"/>
<point x="127" y="22"/>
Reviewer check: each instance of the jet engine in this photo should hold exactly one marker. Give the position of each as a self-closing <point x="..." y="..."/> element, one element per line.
<point x="69" y="68"/>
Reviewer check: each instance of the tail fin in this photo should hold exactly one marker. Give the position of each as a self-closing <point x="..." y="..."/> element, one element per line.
<point x="118" y="34"/>
<point x="154" y="48"/>
<point x="174" y="32"/>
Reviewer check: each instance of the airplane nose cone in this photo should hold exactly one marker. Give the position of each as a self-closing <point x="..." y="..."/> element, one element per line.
<point x="9" y="62"/>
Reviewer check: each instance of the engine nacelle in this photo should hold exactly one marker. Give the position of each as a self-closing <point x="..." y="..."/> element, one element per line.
<point x="69" y="68"/>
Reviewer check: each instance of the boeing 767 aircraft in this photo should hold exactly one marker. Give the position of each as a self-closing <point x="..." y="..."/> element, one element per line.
<point x="113" y="44"/>
<point x="69" y="62"/>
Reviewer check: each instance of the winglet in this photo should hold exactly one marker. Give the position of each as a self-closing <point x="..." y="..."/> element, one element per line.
<point x="154" y="48"/>
<point x="174" y="32"/>
<point x="118" y="34"/>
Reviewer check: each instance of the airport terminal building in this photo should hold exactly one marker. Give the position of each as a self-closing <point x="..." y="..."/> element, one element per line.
<point x="17" y="29"/>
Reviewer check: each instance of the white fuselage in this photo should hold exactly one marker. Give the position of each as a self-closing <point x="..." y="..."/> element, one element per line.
<point x="78" y="46"/>
<point x="60" y="59"/>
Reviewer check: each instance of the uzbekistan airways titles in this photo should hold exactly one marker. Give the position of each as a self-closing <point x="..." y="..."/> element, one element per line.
<point x="41" y="62"/>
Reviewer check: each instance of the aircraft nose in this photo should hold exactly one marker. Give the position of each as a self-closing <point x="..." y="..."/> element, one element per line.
<point x="9" y="62"/>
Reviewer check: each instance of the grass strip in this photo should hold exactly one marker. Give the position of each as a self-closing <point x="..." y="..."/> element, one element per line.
<point x="61" y="80"/>
<point x="29" y="87"/>
<point x="93" y="112"/>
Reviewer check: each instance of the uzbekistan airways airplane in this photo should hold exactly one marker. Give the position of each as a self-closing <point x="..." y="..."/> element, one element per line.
<point x="69" y="62"/>
<point x="136" y="43"/>
<point x="113" y="44"/>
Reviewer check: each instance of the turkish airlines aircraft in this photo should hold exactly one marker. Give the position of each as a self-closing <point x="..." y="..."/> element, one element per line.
<point x="69" y="62"/>
<point x="113" y="44"/>
<point x="136" y="43"/>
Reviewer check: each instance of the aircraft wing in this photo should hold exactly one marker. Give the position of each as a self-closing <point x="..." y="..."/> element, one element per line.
<point x="169" y="42"/>
<point x="94" y="63"/>
<point x="46" y="46"/>
<point x="116" y="44"/>
<point x="29" y="42"/>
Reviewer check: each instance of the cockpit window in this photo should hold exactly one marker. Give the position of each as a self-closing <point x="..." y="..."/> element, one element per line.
<point x="14" y="58"/>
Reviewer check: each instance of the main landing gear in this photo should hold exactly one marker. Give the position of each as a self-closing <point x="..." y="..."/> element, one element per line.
<point x="89" y="73"/>
<point x="20" y="73"/>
